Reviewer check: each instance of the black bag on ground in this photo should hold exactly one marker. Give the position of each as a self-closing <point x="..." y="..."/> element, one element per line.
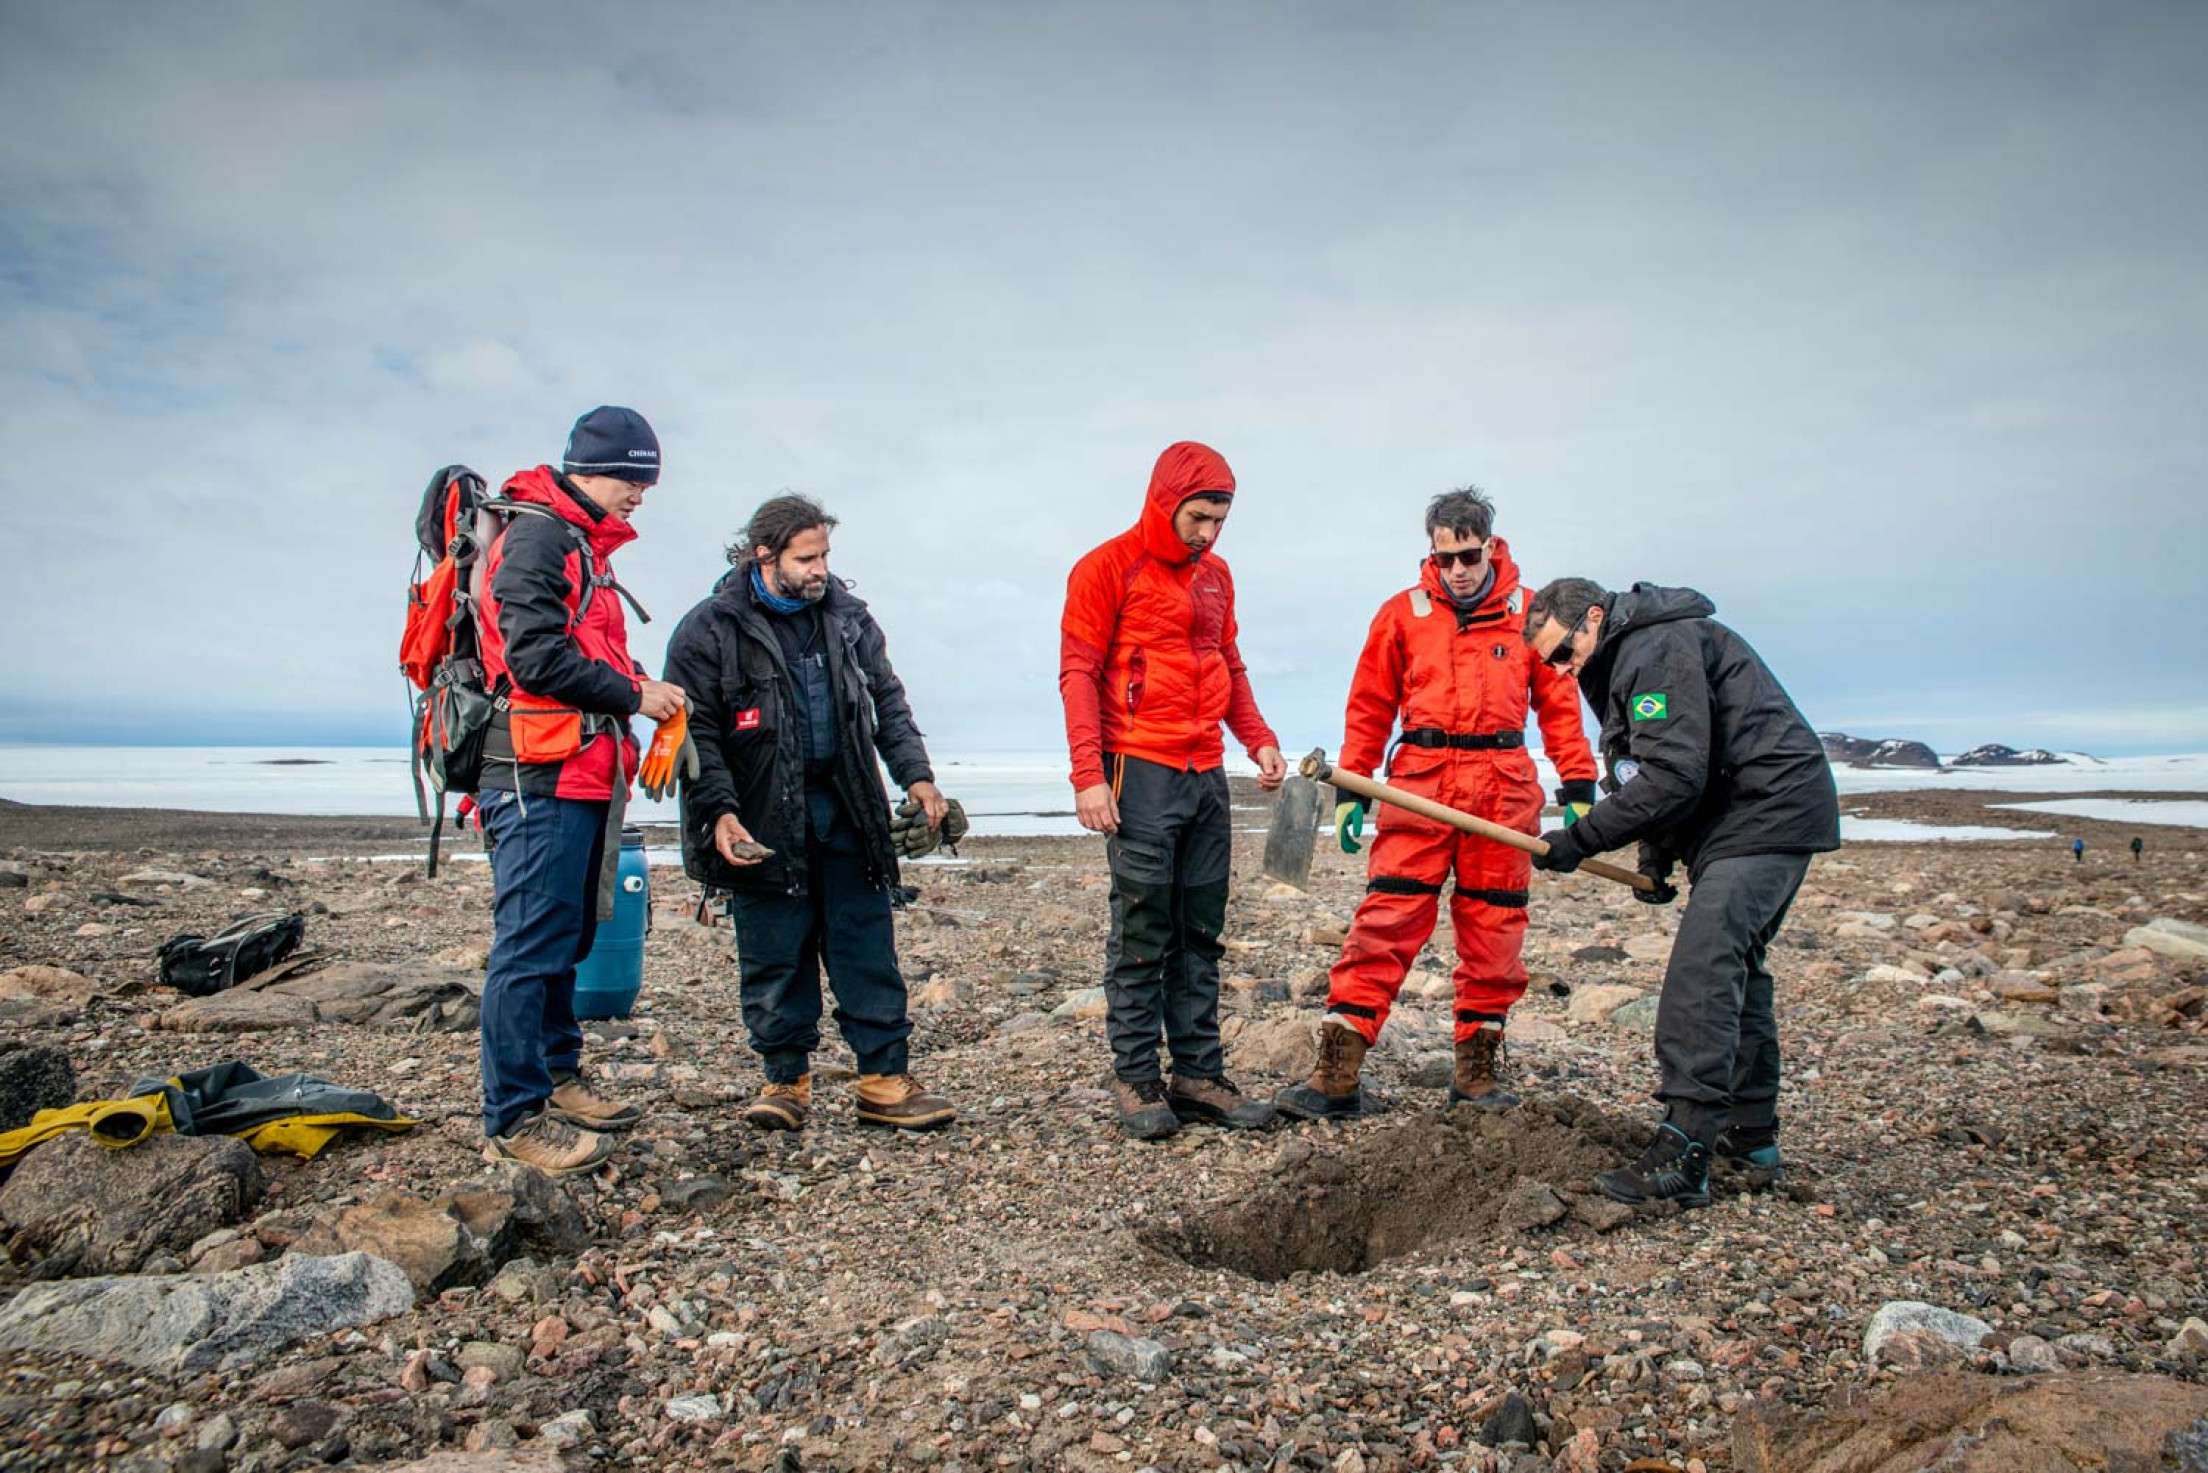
<point x="198" y="966"/>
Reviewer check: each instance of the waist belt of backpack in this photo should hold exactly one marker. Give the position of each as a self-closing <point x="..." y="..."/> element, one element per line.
<point x="1462" y="741"/>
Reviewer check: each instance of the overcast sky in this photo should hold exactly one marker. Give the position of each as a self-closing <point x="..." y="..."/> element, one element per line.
<point x="1887" y="327"/>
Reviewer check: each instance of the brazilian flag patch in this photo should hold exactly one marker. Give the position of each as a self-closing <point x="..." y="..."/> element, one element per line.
<point x="1651" y="705"/>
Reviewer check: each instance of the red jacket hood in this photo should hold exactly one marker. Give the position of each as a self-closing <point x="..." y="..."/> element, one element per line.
<point x="1185" y="469"/>
<point x="537" y="484"/>
<point x="1505" y="584"/>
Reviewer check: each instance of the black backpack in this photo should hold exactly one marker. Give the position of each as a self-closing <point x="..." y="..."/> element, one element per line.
<point x="198" y="966"/>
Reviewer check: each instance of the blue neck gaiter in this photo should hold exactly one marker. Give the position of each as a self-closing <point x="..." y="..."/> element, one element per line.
<point x="770" y="598"/>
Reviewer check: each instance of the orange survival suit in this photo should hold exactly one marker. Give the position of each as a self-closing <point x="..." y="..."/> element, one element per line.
<point x="1460" y="681"/>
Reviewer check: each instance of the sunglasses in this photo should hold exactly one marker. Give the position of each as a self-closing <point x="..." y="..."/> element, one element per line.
<point x="1469" y="557"/>
<point x="1561" y="656"/>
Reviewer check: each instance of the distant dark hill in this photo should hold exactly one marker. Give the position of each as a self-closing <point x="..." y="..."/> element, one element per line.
<point x="1870" y="752"/>
<point x="1994" y="754"/>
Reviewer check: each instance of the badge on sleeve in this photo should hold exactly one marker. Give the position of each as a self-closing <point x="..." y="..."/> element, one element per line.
<point x="1651" y="705"/>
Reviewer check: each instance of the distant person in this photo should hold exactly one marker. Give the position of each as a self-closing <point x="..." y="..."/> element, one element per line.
<point x="1710" y="765"/>
<point x="1445" y="661"/>
<point x="557" y="761"/>
<point x="796" y="700"/>
<point x="1148" y="667"/>
<point x="2138" y="847"/>
<point x="2077" y="851"/>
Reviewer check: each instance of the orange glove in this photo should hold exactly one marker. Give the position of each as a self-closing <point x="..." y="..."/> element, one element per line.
<point x="672" y="753"/>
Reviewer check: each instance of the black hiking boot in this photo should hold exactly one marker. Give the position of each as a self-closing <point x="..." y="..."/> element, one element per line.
<point x="1144" y="1112"/>
<point x="1752" y="1152"/>
<point x="1674" y="1168"/>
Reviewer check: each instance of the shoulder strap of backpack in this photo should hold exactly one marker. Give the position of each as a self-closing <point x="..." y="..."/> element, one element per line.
<point x="593" y="580"/>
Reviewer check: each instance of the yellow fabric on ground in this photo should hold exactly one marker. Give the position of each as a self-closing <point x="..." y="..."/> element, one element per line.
<point x="118" y="1124"/>
<point x="304" y="1136"/>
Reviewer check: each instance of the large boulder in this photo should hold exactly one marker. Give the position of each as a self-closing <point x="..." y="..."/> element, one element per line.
<point x="31" y="1080"/>
<point x="531" y="1459"/>
<point x="239" y="1011"/>
<point x="1910" y="1332"/>
<point x="81" y="1208"/>
<point x="1285" y="1047"/>
<point x="1595" y="1004"/>
<point x="462" y="1237"/>
<point x="2170" y="937"/>
<point x="1957" y="1422"/>
<point x="48" y="984"/>
<point x="379" y="994"/>
<point x="43" y="997"/>
<point x="189" y="1323"/>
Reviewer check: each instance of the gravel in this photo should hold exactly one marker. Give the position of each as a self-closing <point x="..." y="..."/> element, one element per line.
<point x="850" y="1298"/>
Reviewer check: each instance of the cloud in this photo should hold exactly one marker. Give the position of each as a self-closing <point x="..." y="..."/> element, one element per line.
<point x="1881" y="327"/>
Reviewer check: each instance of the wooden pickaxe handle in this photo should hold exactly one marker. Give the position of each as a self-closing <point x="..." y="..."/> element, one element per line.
<point x="1318" y="768"/>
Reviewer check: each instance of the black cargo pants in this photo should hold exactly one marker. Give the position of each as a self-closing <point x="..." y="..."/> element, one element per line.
<point x="1169" y="865"/>
<point x="1717" y="1029"/>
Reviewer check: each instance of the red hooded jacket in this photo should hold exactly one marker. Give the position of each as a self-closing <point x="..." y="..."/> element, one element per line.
<point x="554" y="665"/>
<point x="1147" y="665"/>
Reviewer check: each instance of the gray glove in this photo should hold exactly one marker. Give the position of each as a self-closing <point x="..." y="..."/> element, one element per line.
<point x="912" y="837"/>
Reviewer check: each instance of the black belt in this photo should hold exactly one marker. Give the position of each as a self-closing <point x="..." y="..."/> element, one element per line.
<point x="1462" y="741"/>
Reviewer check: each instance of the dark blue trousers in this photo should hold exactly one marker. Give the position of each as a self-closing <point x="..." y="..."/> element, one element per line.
<point x="842" y="922"/>
<point x="544" y="909"/>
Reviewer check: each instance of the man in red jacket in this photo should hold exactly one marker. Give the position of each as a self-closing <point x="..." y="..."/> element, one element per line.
<point x="1148" y="668"/>
<point x="557" y="759"/>
<point x="1448" y="660"/>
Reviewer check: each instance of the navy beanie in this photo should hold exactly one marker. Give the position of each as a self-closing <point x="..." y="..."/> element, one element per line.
<point x="612" y="441"/>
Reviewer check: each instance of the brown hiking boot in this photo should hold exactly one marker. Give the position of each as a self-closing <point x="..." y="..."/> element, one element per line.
<point x="1333" y="1089"/>
<point x="781" y="1106"/>
<point x="577" y="1101"/>
<point x="1143" y="1110"/>
<point x="1216" y="1102"/>
<point x="1475" y="1082"/>
<point x="551" y="1145"/>
<point x="897" y="1100"/>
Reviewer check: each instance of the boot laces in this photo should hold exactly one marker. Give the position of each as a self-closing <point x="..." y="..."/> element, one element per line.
<point x="1664" y="1164"/>
<point x="1149" y="1091"/>
<point x="1333" y="1043"/>
<point x="552" y="1130"/>
<point x="578" y="1079"/>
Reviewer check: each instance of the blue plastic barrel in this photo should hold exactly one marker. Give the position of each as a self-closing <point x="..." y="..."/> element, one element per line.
<point x="608" y="980"/>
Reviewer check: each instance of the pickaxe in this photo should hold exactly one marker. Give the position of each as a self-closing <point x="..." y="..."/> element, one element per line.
<point x="1294" y="832"/>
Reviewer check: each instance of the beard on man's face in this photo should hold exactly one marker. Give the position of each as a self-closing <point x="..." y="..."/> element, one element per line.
<point x="790" y="584"/>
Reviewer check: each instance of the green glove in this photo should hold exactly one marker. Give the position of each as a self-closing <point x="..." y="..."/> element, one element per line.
<point x="1349" y="825"/>
<point x="1575" y="799"/>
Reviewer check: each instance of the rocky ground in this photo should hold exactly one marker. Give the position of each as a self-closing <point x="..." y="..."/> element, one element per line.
<point x="1996" y="1107"/>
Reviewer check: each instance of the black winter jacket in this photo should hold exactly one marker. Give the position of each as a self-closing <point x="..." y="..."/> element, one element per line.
<point x="751" y="745"/>
<point x="1705" y="753"/>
